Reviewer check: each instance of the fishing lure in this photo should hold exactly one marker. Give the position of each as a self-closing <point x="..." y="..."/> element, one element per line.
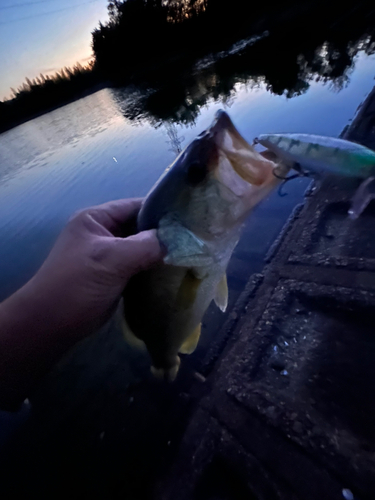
<point x="313" y="155"/>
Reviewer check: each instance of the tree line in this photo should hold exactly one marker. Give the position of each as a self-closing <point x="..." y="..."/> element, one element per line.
<point x="155" y="44"/>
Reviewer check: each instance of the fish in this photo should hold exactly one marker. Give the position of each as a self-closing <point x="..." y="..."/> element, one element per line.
<point x="198" y="208"/>
<point x="314" y="155"/>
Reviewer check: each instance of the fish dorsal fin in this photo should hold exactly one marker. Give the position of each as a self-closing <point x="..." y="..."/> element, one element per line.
<point x="187" y="292"/>
<point x="188" y="347"/>
<point x="184" y="248"/>
<point x="221" y="297"/>
<point x="129" y="336"/>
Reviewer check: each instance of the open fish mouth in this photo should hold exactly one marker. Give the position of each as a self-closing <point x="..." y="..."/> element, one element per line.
<point x="248" y="164"/>
<point x="218" y="157"/>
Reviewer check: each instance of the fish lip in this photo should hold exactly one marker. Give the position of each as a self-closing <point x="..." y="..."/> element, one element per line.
<point x="221" y="122"/>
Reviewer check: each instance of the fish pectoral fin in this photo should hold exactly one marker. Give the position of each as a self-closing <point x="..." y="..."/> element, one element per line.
<point x="187" y="292"/>
<point x="184" y="248"/>
<point x="190" y="344"/>
<point x="129" y="336"/>
<point x="362" y="197"/>
<point x="221" y="297"/>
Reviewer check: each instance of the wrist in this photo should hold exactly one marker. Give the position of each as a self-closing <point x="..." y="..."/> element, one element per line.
<point x="31" y="341"/>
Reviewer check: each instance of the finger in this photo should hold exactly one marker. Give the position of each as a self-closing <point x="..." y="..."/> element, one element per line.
<point x="115" y="214"/>
<point x="138" y="252"/>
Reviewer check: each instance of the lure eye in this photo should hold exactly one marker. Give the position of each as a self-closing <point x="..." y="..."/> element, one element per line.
<point x="196" y="173"/>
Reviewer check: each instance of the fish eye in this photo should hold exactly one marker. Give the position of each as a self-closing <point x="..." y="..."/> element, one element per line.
<point x="196" y="173"/>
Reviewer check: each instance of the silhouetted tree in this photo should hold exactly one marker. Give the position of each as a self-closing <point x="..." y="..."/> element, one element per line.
<point x="157" y="44"/>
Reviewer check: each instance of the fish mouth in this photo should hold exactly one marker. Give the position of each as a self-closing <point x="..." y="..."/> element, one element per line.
<point x="220" y="154"/>
<point x="248" y="164"/>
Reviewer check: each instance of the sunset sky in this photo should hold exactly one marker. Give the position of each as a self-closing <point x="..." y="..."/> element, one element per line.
<point x="42" y="36"/>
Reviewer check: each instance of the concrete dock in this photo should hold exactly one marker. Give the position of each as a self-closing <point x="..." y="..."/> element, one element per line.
<point x="288" y="411"/>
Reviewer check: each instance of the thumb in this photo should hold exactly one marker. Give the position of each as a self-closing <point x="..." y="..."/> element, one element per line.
<point x="138" y="252"/>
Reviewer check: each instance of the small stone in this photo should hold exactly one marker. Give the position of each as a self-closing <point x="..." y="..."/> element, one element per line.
<point x="199" y="377"/>
<point x="284" y="372"/>
<point x="347" y="494"/>
<point x="285" y="342"/>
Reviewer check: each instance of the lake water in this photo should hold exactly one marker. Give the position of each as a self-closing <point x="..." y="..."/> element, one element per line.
<point x="88" y="152"/>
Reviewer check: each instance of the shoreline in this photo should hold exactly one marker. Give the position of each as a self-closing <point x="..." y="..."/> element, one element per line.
<point x="77" y="97"/>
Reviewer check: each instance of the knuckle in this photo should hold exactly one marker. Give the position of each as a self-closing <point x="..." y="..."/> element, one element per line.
<point x="82" y="220"/>
<point x="99" y="254"/>
<point x="79" y="215"/>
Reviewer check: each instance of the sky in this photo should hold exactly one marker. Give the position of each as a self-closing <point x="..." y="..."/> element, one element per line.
<point x="43" y="36"/>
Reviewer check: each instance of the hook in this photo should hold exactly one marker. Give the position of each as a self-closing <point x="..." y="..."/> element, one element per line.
<point x="300" y="173"/>
<point x="285" y="180"/>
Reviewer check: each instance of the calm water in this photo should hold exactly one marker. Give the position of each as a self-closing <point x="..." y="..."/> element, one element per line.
<point x="88" y="152"/>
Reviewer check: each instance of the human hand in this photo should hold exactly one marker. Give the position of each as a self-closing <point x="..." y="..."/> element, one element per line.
<point x="80" y="283"/>
<point x="74" y="293"/>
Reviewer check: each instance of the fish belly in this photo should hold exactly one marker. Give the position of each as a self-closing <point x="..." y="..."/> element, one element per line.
<point x="165" y="305"/>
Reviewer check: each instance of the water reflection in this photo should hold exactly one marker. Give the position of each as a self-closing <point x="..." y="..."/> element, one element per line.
<point x="283" y="63"/>
<point x="174" y="140"/>
<point x="32" y="144"/>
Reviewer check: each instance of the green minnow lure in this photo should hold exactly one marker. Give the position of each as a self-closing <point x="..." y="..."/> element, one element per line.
<point x="315" y="155"/>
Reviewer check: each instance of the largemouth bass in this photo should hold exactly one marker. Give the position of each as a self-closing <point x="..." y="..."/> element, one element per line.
<point x="198" y="207"/>
<point x="315" y="155"/>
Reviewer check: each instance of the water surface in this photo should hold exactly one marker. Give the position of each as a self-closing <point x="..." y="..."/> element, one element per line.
<point x="89" y="152"/>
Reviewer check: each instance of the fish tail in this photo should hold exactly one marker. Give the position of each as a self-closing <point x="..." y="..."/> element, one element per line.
<point x="167" y="374"/>
<point x="129" y="336"/>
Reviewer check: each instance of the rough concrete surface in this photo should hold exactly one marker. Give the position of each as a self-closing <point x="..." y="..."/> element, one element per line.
<point x="289" y="406"/>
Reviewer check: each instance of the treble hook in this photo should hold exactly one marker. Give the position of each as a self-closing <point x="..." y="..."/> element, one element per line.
<point x="301" y="173"/>
<point x="285" y="180"/>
